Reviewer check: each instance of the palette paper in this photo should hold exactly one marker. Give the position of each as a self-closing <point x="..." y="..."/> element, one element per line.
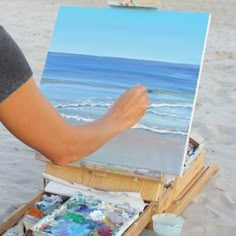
<point x="88" y="215"/>
<point x="96" y="54"/>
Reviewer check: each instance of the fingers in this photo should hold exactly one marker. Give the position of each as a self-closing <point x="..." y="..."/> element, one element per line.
<point x="142" y="95"/>
<point x="132" y="105"/>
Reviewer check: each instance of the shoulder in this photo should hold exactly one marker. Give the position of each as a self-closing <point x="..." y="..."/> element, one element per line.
<point x="4" y="37"/>
<point x="2" y="31"/>
<point x="14" y="68"/>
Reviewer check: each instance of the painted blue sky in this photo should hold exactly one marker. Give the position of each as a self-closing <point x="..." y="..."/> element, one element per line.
<point x="138" y="34"/>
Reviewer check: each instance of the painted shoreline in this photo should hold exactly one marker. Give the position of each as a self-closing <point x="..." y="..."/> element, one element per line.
<point x="164" y="160"/>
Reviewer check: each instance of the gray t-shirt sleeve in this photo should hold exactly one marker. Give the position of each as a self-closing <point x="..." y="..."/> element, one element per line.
<point x="14" y="69"/>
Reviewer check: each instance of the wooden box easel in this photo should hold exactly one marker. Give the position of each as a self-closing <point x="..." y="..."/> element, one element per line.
<point x="160" y="195"/>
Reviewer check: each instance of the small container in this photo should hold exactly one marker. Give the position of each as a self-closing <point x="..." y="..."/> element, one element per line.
<point x="167" y="224"/>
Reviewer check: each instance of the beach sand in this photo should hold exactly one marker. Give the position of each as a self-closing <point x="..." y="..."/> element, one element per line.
<point x="213" y="211"/>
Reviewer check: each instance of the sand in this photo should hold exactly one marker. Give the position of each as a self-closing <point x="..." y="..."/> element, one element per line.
<point x="213" y="211"/>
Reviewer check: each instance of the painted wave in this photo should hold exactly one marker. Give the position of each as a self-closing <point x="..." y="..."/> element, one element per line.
<point x="140" y="126"/>
<point x="83" y="112"/>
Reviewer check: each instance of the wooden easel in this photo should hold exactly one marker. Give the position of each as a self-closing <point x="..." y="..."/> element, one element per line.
<point x="178" y="195"/>
<point x="160" y="195"/>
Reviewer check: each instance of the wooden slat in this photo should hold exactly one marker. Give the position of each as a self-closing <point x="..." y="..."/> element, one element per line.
<point x="196" y="166"/>
<point x="165" y="201"/>
<point x="180" y="183"/>
<point x="169" y="202"/>
<point x="138" y="226"/>
<point x="190" y="184"/>
<point x="97" y="169"/>
<point x="149" y="189"/>
<point x="18" y="214"/>
<point x="178" y="207"/>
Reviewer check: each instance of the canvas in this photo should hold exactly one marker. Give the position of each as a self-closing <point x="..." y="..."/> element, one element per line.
<point x="97" y="53"/>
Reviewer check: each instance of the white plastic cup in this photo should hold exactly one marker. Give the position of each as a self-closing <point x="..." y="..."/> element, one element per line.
<point x="167" y="224"/>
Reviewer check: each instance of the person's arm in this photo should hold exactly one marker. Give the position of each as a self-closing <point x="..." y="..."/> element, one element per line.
<point x="32" y="119"/>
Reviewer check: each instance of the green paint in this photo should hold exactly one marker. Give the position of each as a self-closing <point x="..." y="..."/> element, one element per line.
<point x="79" y="219"/>
<point x="95" y="233"/>
<point x="76" y="218"/>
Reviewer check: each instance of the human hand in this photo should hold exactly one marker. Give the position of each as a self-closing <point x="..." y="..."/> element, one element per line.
<point x="129" y="107"/>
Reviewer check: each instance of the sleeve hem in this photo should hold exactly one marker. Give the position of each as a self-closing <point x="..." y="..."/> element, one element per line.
<point x="13" y="87"/>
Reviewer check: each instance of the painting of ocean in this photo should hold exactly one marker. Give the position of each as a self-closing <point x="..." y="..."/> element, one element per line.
<point x="82" y="78"/>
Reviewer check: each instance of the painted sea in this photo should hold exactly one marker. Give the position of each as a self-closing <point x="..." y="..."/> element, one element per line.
<point x="83" y="87"/>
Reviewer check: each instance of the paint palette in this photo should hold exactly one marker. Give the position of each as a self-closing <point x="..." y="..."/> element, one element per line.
<point x="86" y="215"/>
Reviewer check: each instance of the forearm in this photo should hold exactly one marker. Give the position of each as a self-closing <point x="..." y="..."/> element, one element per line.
<point x="81" y="140"/>
<point x="89" y="137"/>
<point x="32" y="119"/>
